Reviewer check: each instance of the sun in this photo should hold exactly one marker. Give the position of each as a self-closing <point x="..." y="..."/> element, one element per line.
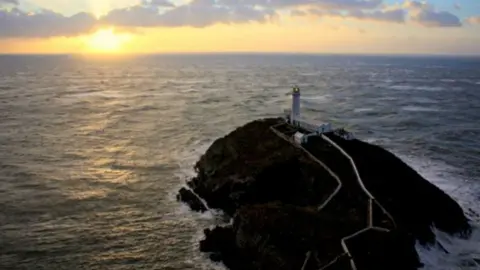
<point x="106" y="41"/>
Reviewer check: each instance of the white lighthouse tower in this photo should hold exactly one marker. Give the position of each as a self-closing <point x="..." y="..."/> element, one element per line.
<point x="295" y="113"/>
<point x="306" y="128"/>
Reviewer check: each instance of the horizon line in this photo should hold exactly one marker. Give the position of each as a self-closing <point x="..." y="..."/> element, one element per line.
<point x="120" y="55"/>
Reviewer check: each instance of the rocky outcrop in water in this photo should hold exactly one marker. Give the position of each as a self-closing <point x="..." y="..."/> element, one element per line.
<point x="283" y="218"/>
<point x="193" y="201"/>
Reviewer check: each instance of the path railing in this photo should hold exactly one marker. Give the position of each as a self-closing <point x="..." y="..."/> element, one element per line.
<point x="334" y="175"/>
<point x="372" y="199"/>
<point x="362" y="185"/>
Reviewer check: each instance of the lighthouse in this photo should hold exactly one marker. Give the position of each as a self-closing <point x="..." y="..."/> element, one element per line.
<point x="295" y="113"/>
<point x="308" y="128"/>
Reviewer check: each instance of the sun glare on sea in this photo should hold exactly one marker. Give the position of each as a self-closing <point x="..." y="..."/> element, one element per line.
<point x="106" y="41"/>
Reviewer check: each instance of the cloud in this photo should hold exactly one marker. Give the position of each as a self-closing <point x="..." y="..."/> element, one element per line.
<point x="158" y="3"/>
<point x="419" y="12"/>
<point x="204" y="13"/>
<point x="327" y="4"/>
<point x="16" y="23"/>
<point x="198" y="13"/>
<point x="438" y="19"/>
<point x="348" y="4"/>
<point x="297" y="12"/>
<point x="394" y="15"/>
<point x="345" y="4"/>
<point x="474" y="20"/>
<point x="319" y="13"/>
<point x="426" y="15"/>
<point x="12" y="2"/>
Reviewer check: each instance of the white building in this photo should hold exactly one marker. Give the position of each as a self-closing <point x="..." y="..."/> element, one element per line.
<point x="294" y="118"/>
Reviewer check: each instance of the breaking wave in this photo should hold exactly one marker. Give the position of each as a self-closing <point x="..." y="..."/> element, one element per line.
<point x="417" y="88"/>
<point x="463" y="254"/>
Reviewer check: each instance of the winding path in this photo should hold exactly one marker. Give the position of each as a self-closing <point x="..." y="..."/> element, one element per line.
<point x="371" y="199"/>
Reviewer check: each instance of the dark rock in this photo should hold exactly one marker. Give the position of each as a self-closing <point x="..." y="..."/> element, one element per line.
<point x="274" y="190"/>
<point x="253" y="165"/>
<point x="220" y="243"/>
<point x="416" y="204"/>
<point x="374" y="249"/>
<point x="216" y="257"/>
<point x="188" y="197"/>
<point x="217" y="240"/>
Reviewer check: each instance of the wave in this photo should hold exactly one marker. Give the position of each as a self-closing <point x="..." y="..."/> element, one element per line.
<point x="417" y="88"/>
<point x="308" y="74"/>
<point x="314" y="103"/>
<point x="6" y="87"/>
<point x="186" y="160"/>
<point x="420" y="109"/>
<point x="448" y="80"/>
<point x="419" y="99"/>
<point x="463" y="254"/>
<point x="320" y="98"/>
<point x="447" y="178"/>
<point x="360" y="110"/>
<point x="201" y="260"/>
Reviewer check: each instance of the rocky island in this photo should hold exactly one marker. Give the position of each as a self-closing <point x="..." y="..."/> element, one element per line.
<point x="275" y="193"/>
<point x="304" y="196"/>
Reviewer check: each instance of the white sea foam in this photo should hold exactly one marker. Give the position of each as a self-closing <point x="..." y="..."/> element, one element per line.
<point x="420" y="109"/>
<point x="377" y="141"/>
<point x="201" y="259"/>
<point x="444" y="176"/>
<point x="315" y="102"/>
<point x="210" y="218"/>
<point x="416" y="88"/>
<point x="448" y="80"/>
<point x="401" y="87"/>
<point x="387" y="98"/>
<point x="320" y="98"/>
<point x="463" y="254"/>
<point x="359" y="110"/>
<point x="429" y="88"/>
<point x="424" y="100"/>
<point x="308" y="74"/>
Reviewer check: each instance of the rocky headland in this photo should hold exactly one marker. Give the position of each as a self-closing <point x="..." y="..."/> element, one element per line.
<point x="289" y="211"/>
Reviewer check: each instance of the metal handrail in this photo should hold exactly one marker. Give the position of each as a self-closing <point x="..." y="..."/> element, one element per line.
<point x="360" y="182"/>
<point x="334" y="175"/>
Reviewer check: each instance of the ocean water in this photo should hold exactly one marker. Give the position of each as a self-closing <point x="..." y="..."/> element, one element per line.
<point x="92" y="151"/>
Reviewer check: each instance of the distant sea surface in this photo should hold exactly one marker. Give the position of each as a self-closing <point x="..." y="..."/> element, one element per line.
<point x="92" y="151"/>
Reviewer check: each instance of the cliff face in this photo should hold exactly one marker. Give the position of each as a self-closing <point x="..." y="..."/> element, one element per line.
<point x="277" y="193"/>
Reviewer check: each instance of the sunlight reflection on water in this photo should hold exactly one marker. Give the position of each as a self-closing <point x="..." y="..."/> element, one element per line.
<point x="93" y="152"/>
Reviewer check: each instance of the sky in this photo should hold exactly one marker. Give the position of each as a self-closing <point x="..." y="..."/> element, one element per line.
<point x="297" y="26"/>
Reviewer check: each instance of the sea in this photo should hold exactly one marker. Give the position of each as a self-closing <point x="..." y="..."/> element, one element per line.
<point x="93" y="150"/>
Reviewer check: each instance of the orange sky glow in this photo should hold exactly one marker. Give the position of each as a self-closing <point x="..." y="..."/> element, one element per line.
<point x="378" y="31"/>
